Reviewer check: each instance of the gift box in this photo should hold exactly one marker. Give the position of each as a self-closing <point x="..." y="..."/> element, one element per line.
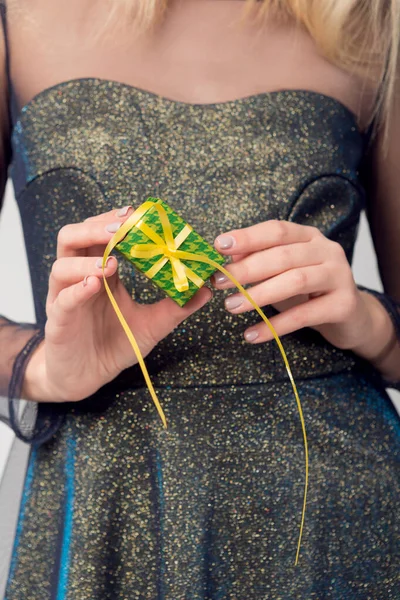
<point x="163" y="247"/>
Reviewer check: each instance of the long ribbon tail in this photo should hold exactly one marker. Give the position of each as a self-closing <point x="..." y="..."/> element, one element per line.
<point x="292" y="381"/>
<point x="118" y="236"/>
<point x="136" y="349"/>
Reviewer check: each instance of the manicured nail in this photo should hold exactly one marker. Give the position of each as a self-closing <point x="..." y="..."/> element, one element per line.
<point x="220" y="278"/>
<point x="123" y="211"/>
<point x="99" y="262"/>
<point x="250" y="336"/>
<point x="225" y="241"/>
<point x="233" y="302"/>
<point x="113" y="227"/>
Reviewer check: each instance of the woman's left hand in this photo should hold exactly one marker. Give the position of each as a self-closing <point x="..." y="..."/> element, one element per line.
<point x="302" y="274"/>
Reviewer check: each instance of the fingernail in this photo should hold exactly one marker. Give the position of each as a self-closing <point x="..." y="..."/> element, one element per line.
<point x="113" y="227"/>
<point x="233" y="302"/>
<point x="123" y="211"/>
<point x="220" y="278"/>
<point x="225" y="241"/>
<point x="99" y="262"/>
<point x="250" y="336"/>
<point x="84" y="282"/>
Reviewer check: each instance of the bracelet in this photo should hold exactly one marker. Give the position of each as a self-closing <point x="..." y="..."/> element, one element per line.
<point x="393" y="308"/>
<point x="38" y="421"/>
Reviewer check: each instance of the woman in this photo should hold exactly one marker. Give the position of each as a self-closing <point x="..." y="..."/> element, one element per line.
<point x="254" y="128"/>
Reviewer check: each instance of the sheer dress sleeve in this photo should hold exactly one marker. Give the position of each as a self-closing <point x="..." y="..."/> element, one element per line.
<point x="17" y="340"/>
<point x="381" y="175"/>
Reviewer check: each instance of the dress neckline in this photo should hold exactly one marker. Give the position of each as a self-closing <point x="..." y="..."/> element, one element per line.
<point x="340" y="106"/>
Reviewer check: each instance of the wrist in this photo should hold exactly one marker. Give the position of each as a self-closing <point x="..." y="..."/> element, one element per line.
<point x="378" y="331"/>
<point x="33" y="386"/>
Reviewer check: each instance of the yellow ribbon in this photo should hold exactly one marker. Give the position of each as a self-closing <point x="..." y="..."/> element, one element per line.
<point x="168" y="248"/>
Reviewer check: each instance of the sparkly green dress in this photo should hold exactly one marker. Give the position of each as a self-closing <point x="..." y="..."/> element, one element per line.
<point x="114" y="506"/>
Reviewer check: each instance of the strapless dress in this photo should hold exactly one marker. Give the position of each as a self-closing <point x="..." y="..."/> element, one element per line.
<point x="116" y="507"/>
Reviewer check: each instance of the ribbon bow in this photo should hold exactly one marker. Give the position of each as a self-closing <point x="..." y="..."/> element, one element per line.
<point x="168" y="249"/>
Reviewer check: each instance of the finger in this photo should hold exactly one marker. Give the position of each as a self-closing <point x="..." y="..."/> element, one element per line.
<point x="165" y="315"/>
<point x="310" y="314"/>
<point x="305" y="280"/>
<point x="76" y="239"/>
<point x="237" y="257"/>
<point x="112" y="215"/>
<point x="264" y="235"/>
<point x="70" y="270"/>
<point x="262" y="265"/>
<point x="72" y="298"/>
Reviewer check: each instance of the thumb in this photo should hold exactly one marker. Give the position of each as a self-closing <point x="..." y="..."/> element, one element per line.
<point x="165" y="315"/>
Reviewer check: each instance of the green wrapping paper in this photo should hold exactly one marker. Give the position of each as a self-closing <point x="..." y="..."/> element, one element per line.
<point x="193" y="243"/>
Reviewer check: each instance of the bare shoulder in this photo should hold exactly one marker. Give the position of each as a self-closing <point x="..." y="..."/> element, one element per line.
<point x="2" y="52"/>
<point x="384" y="197"/>
<point x="4" y="124"/>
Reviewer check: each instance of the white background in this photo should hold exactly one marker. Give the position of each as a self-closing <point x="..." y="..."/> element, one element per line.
<point x="16" y="303"/>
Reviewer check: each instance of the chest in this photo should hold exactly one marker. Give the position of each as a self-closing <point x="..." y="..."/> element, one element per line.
<point x="202" y="52"/>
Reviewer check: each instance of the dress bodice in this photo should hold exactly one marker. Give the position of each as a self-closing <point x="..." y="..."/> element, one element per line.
<point x="87" y="145"/>
<point x="114" y="505"/>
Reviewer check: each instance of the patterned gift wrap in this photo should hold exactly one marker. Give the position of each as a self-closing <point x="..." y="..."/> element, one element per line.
<point x="160" y="267"/>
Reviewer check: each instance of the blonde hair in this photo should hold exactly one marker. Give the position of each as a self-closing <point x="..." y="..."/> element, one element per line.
<point x="360" y="36"/>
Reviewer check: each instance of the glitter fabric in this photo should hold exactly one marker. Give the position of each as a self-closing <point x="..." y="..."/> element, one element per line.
<point x="116" y="507"/>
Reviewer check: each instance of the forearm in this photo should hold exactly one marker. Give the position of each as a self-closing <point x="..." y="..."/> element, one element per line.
<point x="380" y="345"/>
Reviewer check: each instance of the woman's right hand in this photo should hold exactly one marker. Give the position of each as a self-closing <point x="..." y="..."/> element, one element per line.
<point x="85" y="346"/>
